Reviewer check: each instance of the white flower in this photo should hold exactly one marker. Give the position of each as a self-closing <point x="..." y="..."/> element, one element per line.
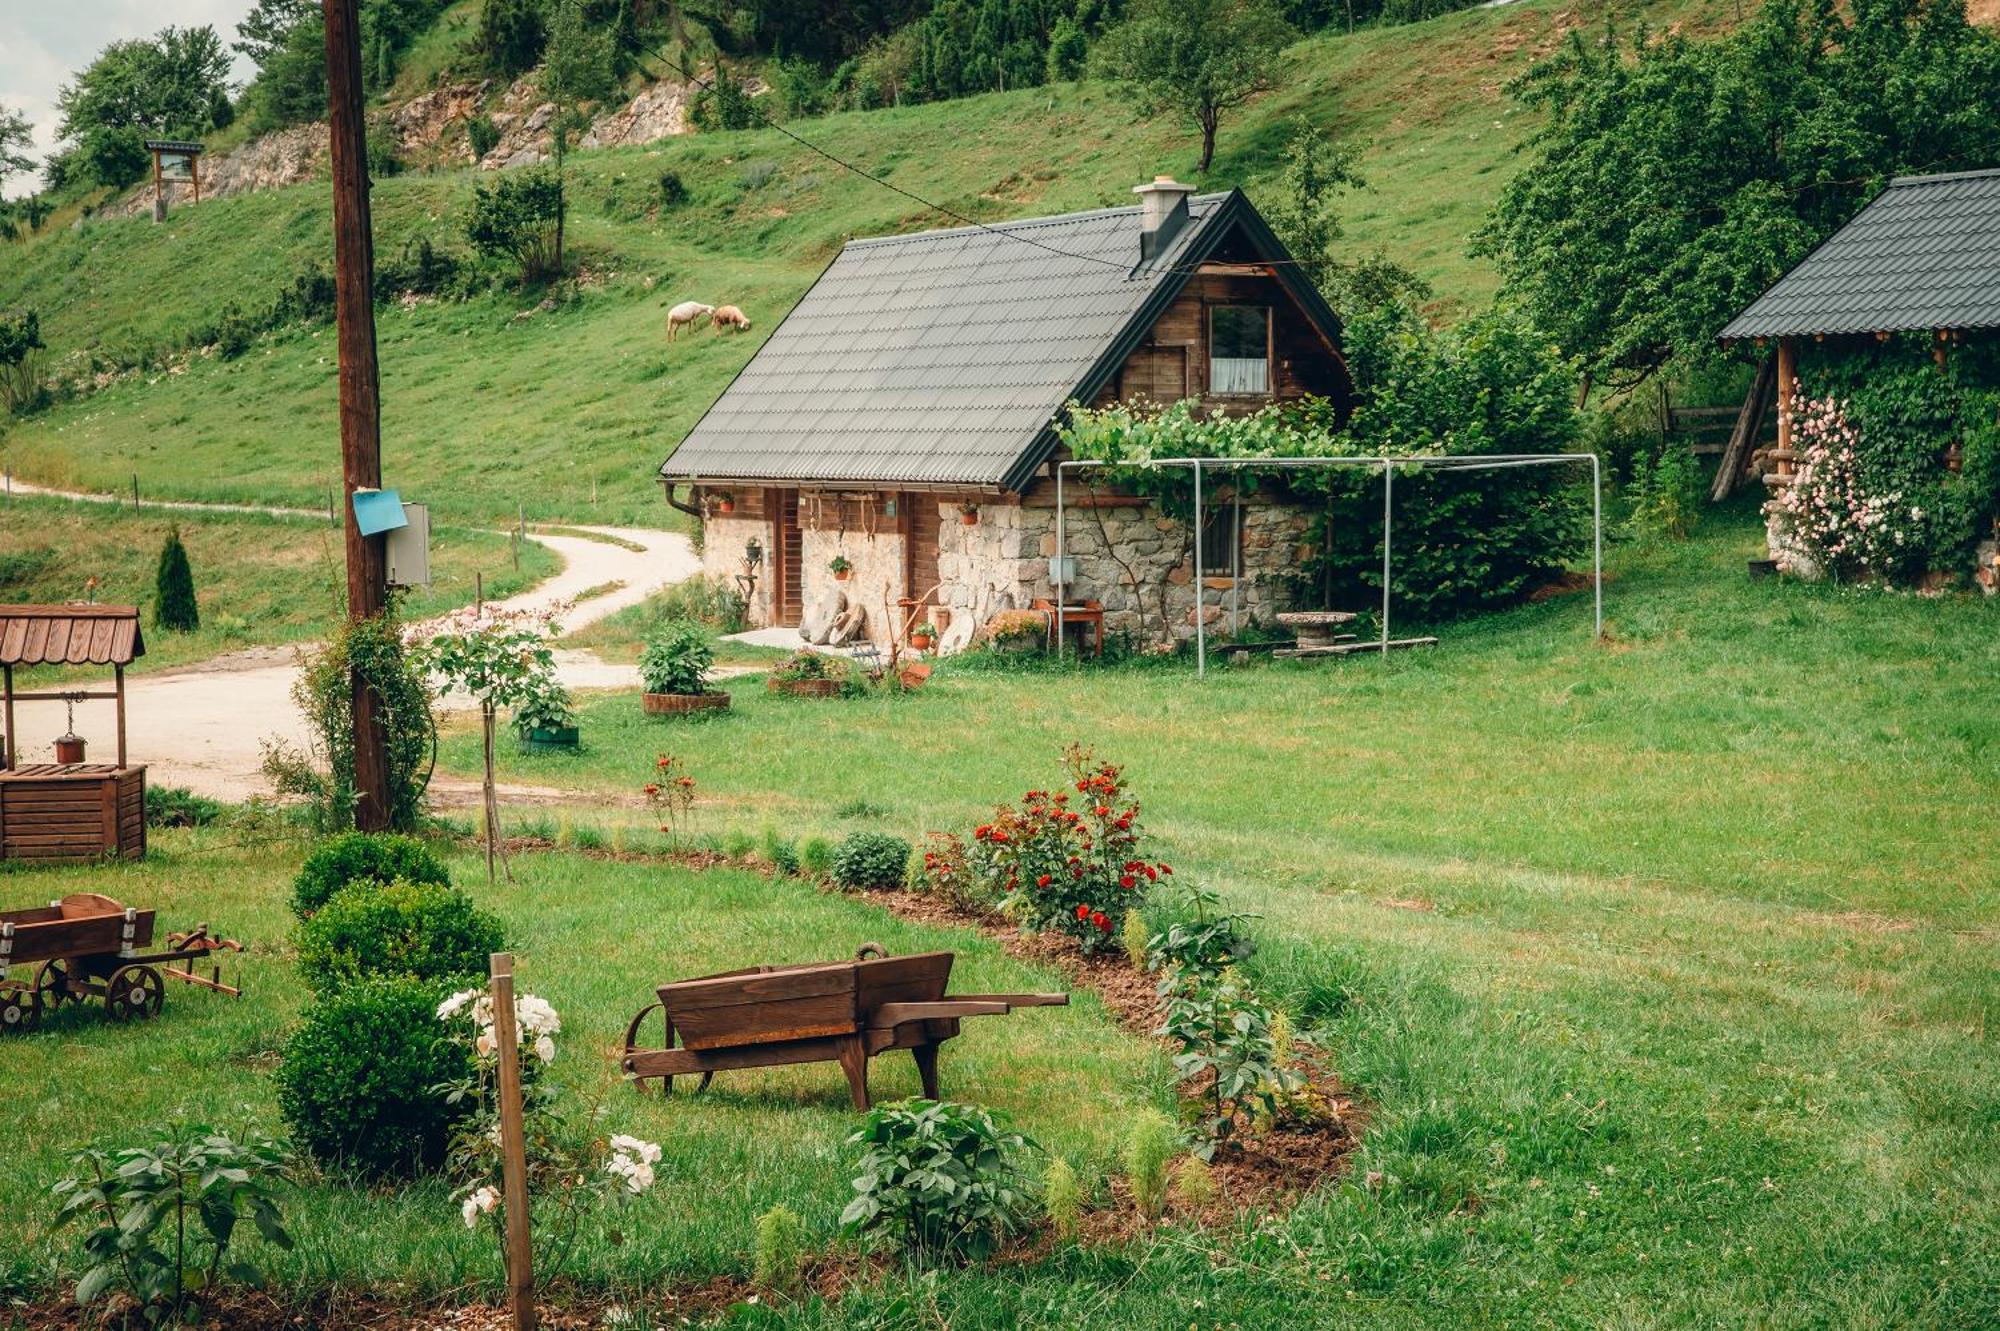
<point x="545" y="1049"/>
<point x="486" y="1043"/>
<point x="479" y="1203"/>
<point x="535" y="1016"/>
<point x="452" y="1006"/>
<point x="633" y="1146"/>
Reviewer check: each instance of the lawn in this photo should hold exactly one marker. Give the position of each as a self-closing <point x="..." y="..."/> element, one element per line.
<point x="259" y="580"/>
<point x="1667" y="966"/>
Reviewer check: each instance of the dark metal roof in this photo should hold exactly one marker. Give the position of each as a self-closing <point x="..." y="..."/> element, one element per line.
<point x="173" y="146"/>
<point x="943" y="357"/>
<point x="69" y="635"/>
<point x="1924" y="255"/>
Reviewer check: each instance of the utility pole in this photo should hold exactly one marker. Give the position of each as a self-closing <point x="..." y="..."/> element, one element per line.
<point x="360" y="384"/>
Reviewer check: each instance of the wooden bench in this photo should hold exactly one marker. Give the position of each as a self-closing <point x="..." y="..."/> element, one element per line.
<point x="844" y="1012"/>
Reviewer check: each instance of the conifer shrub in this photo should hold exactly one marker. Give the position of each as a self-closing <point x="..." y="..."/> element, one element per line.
<point x="174" y="608"/>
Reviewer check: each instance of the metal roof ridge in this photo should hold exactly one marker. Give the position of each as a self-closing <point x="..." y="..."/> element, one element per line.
<point x="1018" y="224"/>
<point x="1896" y="181"/>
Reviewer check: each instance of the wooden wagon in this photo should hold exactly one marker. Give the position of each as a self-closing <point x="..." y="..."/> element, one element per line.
<point x="68" y="810"/>
<point x="91" y="946"/>
<point x="844" y="1012"/>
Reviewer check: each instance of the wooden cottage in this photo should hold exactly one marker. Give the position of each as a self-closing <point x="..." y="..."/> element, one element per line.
<point x="898" y="428"/>
<point x="69" y="810"/>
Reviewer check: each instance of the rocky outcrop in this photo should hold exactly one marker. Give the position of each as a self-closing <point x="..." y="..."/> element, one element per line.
<point x="284" y="157"/>
<point x="422" y="124"/>
<point x="660" y="112"/>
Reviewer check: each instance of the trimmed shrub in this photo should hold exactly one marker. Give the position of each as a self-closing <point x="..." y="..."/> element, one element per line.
<point x="174" y="608"/>
<point x="870" y="859"/>
<point x="353" y="857"/>
<point x="676" y="659"/>
<point x="426" y="931"/>
<point x="357" y="1082"/>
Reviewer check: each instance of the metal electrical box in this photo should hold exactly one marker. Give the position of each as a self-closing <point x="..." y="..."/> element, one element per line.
<point x="407" y="549"/>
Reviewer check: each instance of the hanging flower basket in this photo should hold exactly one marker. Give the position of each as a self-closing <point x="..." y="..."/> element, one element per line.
<point x="969" y="515"/>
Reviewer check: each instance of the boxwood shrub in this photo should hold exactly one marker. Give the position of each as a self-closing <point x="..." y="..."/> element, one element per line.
<point x="353" y="857"/>
<point x="426" y="931"/>
<point x="870" y="859"/>
<point x="357" y="1082"/>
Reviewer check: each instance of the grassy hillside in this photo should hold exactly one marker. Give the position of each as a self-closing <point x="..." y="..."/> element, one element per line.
<point x="499" y="401"/>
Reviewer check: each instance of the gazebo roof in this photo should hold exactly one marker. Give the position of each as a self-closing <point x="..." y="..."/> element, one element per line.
<point x="70" y="635"/>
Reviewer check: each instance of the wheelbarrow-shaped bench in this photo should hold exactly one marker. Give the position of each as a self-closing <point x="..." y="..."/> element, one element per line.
<point x="91" y="946"/>
<point x="844" y="1012"/>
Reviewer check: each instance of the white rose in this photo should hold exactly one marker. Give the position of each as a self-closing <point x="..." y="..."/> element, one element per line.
<point x="545" y="1049"/>
<point x="485" y="1043"/>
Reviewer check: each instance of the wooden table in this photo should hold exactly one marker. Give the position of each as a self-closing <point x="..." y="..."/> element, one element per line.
<point x="1090" y="614"/>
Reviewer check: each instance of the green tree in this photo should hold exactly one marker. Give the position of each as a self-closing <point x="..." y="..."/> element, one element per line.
<point x="1197" y="58"/>
<point x="1316" y="170"/>
<point x="174" y="606"/>
<point x="519" y="217"/>
<point x="170" y="85"/>
<point x="511" y="36"/>
<point x="579" y="67"/>
<point x="1674" y="180"/>
<point x="17" y="136"/>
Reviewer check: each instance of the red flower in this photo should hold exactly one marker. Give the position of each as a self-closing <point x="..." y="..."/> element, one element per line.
<point x="652" y="789"/>
<point x="1083" y="785"/>
<point x="1128" y="881"/>
<point x="1043" y="881"/>
<point x="981" y="832"/>
<point x="1124" y="822"/>
<point x="665" y="763"/>
<point x="1083" y="912"/>
<point x="1102" y="811"/>
<point x="1102" y="921"/>
<point x="1076" y="871"/>
<point x="1152" y="874"/>
<point x="1165" y="869"/>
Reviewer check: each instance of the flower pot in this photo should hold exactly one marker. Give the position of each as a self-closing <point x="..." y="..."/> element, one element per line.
<point x="69" y="749"/>
<point x="920" y="642"/>
<point x="969" y="519"/>
<point x="674" y="704"/>
<point x="725" y="505"/>
<point x="550" y="737"/>
<point x="805" y="688"/>
<point x="840" y="575"/>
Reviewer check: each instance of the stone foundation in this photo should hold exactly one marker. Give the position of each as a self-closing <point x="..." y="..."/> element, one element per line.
<point x="723" y="539"/>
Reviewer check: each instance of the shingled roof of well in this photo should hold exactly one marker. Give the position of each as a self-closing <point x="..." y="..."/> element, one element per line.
<point x="940" y="358"/>
<point x="1924" y="255"/>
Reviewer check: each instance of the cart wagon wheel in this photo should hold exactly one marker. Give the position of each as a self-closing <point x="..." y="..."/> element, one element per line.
<point x="52" y="986"/>
<point x="134" y="993"/>
<point x="19" y="1013"/>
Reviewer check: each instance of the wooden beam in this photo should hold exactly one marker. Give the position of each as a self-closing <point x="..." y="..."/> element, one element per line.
<point x="118" y="673"/>
<point x="8" y="758"/>
<point x="1787" y="388"/>
<point x="1749" y="423"/>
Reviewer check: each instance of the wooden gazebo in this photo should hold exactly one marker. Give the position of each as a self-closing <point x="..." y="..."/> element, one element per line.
<point x="69" y="810"/>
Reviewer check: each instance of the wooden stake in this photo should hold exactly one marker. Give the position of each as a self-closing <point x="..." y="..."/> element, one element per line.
<point x="135" y="492"/>
<point x="360" y="384"/>
<point x="118" y="674"/>
<point x="513" y="1145"/>
<point x="1749" y="423"/>
<point x="491" y="800"/>
<point x="1787" y="386"/>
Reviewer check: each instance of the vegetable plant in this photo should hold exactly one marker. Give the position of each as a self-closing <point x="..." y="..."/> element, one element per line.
<point x="943" y="1178"/>
<point x="677" y="659"/>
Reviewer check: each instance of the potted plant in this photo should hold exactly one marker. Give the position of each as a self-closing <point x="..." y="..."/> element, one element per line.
<point x="841" y="567"/>
<point x="923" y="635"/>
<point x="1018" y="631"/>
<point x="809" y="674"/>
<point x="725" y="502"/>
<point x="969" y="514"/>
<point x="545" y="715"/>
<point x="674" y="670"/>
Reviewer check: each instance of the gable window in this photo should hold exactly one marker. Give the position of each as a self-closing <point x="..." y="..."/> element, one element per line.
<point x="1221" y="540"/>
<point x="1239" y="350"/>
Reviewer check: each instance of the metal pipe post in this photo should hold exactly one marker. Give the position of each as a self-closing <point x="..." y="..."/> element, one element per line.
<point x="1597" y="536"/>
<point x="1062" y="588"/>
<point x="1200" y="621"/>
<point x="1388" y="498"/>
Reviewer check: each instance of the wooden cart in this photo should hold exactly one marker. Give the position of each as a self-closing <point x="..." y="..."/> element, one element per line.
<point x="844" y="1012"/>
<point x="90" y="946"/>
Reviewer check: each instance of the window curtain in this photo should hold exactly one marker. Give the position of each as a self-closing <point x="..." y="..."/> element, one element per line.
<point x="1228" y="374"/>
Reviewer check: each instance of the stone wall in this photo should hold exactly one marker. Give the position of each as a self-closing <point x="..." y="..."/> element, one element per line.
<point x="875" y="581"/>
<point x="723" y="539"/>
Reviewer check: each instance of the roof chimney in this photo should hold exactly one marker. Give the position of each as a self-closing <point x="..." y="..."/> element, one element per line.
<point x="1163" y="211"/>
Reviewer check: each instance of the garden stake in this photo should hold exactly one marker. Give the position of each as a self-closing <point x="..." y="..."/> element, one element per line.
<point x="513" y="1145"/>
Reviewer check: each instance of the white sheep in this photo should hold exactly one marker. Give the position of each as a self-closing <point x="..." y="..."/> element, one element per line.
<point x="684" y="315"/>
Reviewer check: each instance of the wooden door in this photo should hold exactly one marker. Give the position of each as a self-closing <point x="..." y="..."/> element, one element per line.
<point x="920" y="545"/>
<point x="788" y="598"/>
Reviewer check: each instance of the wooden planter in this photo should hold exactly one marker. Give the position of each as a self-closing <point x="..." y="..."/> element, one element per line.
<point x="50" y="811"/>
<point x="550" y="737"/>
<point x="805" y="688"/>
<point x="674" y="704"/>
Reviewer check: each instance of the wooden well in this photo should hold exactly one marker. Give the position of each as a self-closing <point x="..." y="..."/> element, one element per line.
<point x="69" y="811"/>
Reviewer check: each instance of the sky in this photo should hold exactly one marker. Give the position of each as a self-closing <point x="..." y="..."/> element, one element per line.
<point x="44" y="42"/>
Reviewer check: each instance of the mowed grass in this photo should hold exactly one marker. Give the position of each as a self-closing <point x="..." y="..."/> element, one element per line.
<point x="1666" y="967"/>
<point x="594" y="938"/>
<point x="498" y="404"/>
<point x="259" y="580"/>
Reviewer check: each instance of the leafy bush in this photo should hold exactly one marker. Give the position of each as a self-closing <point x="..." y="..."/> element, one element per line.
<point x="156" y="1208"/>
<point x="357" y="1082"/>
<point x="511" y="36"/>
<point x="354" y="857"/>
<point x="544" y="704"/>
<point x="816" y="857"/>
<point x="808" y="664"/>
<point x="870" y="860"/>
<point x="1224" y="1034"/>
<point x="1665" y="493"/>
<point x="1062" y="1198"/>
<point x="780" y="850"/>
<point x="779" y="1258"/>
<point x="947" y="873"/>
<point x="518" y="217"/>
<point x="702" y="599"/>
<point x="676" y="659"/>
<point x="673" y="191"/>
<point x="174" y="607"/>
<point x="177" y="806"/>
<point x="426" y="931"/>
<point x="419" y="269"/>
<point x="942" y="1177"/>
<point x="482" y="134"/>
<point x="1150" y="1146"/>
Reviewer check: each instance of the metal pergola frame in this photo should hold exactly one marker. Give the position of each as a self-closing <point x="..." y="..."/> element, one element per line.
<point x="1388" y="466"/>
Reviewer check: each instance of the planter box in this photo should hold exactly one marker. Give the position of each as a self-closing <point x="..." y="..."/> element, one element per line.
<point x="673" y="704"/>
<point x="805" y="688"/>
<point x="553" y="737"/>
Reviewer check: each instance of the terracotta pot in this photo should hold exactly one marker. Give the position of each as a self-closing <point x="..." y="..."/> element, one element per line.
<point x="805" y="688"/>
<point x="725" y="505"/>
<point x="969" y="519"/>
<point x="920" y="641"/>
<point x="673" y="704"/>
<point x="69" y="749"/>
<point x="841" y="576"/>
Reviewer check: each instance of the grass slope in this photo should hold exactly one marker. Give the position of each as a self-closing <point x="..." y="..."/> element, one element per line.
<point x="496" y="403"/>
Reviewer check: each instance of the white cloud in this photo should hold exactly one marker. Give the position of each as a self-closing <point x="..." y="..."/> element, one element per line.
<point x="43" y="43"/>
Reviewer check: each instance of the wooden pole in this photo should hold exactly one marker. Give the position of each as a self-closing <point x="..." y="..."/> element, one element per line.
<point x="360" y="384"/>
<point x="118" y="674"/>
<point x="12" y="737"/>
<point x="490" y="801"/>
<point x="1787" y="386"/>
<point x="513" y="1148"/>
<point x="1749" y="423"/>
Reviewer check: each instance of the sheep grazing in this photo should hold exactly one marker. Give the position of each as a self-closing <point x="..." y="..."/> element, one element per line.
<point x="686" y="313"/>
<point x="728" y="316"/>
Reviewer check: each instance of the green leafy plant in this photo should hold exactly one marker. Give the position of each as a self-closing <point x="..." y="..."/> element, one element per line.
<point x="174" y="607"/>
<point x="356" y="857"/>
<point x="1135" y="938"/>
<point x="1665" y="493"/>
<point x="165" y="1217"/>
<point x="782" y="851"/>
<point x="1192" y="1185"/>
<point x="1199" y="945"/>
<point x="677" y="659"/>
<point x="1151" y="1143"/>
<point x="544" y="704"/>
<point x="177" y="806"/>
<point x="807" y="664"/>
<point x="1062" y="1198"/>
<point x="816" y="857"/>
<point x="1224" y="1034"/>
<point x="947" y="873"/>
<point x="670" y="795"/>
<point x="840" y="564"/>
<point x="357" y="1080"/>
<point x="519" y="217"/>
<point x="943" y="1178"/>
<point x="870" y="860"/>
<point x="426" y="931"/>
<point x="778" y="1261"/>
<point x="482" y="134"/>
